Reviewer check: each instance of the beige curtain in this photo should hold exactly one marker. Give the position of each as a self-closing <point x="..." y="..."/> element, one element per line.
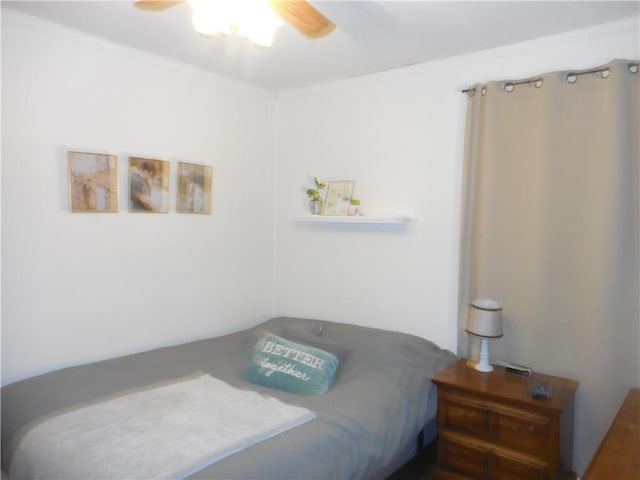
<point x="550" y="229"/>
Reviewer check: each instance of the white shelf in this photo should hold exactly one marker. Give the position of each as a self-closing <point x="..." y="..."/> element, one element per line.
<point x="364" y="220"/>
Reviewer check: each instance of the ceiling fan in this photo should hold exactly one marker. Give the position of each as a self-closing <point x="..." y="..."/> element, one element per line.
<point x="299" y="13"/>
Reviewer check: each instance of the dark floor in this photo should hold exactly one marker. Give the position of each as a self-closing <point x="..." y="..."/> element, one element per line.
<point x="423" y="467"/>
<point x="420" y="467"/>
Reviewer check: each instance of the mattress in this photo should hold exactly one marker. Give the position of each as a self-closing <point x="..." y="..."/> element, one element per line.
<point x="381" y="398"/>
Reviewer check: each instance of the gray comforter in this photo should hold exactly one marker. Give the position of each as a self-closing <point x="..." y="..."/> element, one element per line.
<point x="380" y="399"/>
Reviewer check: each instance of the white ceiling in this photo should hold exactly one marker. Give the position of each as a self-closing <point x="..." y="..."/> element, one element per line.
<point x="370" y="36"/>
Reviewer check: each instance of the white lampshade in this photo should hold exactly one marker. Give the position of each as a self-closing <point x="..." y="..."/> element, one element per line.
<point x="485" y="321"/>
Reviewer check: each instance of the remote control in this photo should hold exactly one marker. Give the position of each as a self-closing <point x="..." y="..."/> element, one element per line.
<point x="540" y="389"/>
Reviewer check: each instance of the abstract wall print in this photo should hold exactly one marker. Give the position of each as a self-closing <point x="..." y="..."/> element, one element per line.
<point x="148" y="185"/>
<point x="93" y="182"/>
<point x="195" y="186"/>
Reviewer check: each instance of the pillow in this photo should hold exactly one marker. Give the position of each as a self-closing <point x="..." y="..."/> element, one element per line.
<point x="306" y="329"/>
<point x="289" y="366"/>
<point x="313" y="340"/>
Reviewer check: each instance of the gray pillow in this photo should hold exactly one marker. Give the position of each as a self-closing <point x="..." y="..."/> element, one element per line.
<point x="314" y="341"/>
<point x="306" y="332"/>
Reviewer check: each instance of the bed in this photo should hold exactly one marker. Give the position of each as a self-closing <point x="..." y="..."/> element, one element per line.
<point x="366" y="425"/>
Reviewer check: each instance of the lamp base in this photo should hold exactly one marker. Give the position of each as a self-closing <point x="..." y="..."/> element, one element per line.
<point x="483" y="365"/>
<point x="483" y="368"/>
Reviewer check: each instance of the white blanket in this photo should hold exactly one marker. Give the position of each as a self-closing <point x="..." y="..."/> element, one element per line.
<point x="165" y="432"/>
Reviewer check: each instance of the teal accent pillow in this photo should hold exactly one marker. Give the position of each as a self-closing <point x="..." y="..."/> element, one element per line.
<point x="290" y="366"/>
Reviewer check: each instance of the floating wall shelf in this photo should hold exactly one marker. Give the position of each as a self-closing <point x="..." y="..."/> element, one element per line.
<point x="365" y="220"/>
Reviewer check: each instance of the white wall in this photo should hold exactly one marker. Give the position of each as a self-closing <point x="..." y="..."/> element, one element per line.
<point x="78" y="287"/>
<point x="391" y="134"/>
<point x="399" y="134"/>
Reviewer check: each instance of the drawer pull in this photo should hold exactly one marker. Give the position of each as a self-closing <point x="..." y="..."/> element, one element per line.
<point x="518" y="429"/>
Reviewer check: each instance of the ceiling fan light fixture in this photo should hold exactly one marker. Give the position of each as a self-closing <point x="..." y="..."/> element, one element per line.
<point x="262" y="38"/>
<point x="252" y="19"/>
<point x="259" y="25"/>
<point x="210" y="18"/>
<point x="206" y="26"/>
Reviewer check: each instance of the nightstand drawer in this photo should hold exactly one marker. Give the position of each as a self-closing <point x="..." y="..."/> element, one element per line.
<point x="463" y="415"/>
<point x="462" y="458"/>
<point x="504" y="468"/>
<point x="522" y="431"/>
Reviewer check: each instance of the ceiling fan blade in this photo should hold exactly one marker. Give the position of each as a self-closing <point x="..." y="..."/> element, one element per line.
<point x="155" y="5"/>
<point x="304" y="17"/>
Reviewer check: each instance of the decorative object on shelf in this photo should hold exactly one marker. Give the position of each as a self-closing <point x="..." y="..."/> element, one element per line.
<point x="194" y="188"/>
<point x="148" y="185"/>
<point x="355" y="210"/>
<point x="485" y="321"/>
<point x="93" y="182"/>
<point x="338" y="197"/>
<point x="316" y="204"/>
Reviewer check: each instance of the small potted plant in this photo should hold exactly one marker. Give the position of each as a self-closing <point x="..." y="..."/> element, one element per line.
<point x="316" y="204"/>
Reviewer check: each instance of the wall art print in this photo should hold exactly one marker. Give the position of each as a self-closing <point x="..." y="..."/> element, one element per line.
<point x="195" y="188"/>
<point x="148" y="185"/>
<point x="93" y="182"/>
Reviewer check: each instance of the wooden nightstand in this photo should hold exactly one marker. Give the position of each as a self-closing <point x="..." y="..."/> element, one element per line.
<point x="490" y="427"/>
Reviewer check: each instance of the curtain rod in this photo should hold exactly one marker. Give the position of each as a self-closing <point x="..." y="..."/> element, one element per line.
<point x="570" y="77"/>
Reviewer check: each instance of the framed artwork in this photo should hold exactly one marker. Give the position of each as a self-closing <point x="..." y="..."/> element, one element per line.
<point x="93" y="182"/>
<point x="338" y="197"/>
<point x="148" y="185"/>
<point x="195" y="187"/>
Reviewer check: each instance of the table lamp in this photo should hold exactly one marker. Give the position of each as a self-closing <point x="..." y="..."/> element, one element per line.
<point x="485" y="322"/>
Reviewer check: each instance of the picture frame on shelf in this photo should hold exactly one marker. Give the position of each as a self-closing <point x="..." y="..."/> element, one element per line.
<point x="338" y="197"/>
<point x="195" y="188"/>
<point x="93" y="182"/>
<point x="148" y="185"/>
